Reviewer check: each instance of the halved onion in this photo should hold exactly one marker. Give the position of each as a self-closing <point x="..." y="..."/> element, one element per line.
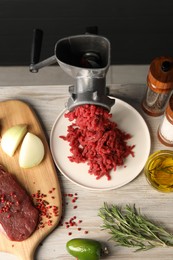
<point x="31" y="152"/>
<point x="12" y="138"/>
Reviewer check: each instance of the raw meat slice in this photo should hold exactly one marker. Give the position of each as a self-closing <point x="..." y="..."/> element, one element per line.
<point x="18" y="216"/>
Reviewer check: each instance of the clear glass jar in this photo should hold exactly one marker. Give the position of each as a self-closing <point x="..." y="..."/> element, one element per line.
<point x="165" y="129"/>
<point x="159" y="170"/>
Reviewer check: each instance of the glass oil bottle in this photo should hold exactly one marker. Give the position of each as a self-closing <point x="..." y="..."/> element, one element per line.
<point x="159" y="170"/>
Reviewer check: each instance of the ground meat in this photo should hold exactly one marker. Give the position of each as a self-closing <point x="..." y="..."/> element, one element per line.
<point x="95" y="139"/>
<point x="18" y="216"/>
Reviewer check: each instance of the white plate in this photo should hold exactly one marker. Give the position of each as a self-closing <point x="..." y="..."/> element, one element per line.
<point x="128" y="120"/>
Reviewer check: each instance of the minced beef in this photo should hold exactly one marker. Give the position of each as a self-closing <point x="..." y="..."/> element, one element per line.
<point x="95" y="139"/>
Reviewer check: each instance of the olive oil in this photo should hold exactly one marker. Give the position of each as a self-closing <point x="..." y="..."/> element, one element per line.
<point x="159" y="170"/>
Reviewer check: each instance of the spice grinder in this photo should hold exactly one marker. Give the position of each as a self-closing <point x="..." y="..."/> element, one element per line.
<point x="86" y="58"/>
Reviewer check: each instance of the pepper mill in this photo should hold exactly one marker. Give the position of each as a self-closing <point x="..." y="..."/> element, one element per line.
<point x="160" y="85"/>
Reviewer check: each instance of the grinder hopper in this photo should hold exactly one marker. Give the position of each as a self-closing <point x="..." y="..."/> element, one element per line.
<point x="86" y="58"/>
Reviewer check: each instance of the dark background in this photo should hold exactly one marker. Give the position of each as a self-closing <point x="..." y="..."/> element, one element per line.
<point x="139" y="30"/>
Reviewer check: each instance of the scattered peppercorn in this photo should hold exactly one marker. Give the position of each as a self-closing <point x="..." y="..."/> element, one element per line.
<point x="73" y="222"/>
<point x="47" y="211"/>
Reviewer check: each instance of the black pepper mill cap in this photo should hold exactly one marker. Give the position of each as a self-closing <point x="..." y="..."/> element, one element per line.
<point x="166" y="65"/>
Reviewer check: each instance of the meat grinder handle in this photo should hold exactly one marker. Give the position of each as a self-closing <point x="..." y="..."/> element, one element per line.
<point x="36" y="47"/>
<point x="35" y="53"/>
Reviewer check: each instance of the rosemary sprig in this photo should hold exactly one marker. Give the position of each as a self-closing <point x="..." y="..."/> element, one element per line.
<point x="167" y="169"/>
<point x="129" y="228"/>
<point x="159" y="165"/>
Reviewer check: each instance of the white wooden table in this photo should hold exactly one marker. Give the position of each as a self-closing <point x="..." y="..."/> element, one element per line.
<point x="48" y="102"/>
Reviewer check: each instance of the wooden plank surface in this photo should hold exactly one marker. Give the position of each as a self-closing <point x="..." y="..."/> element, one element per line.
<point x="41" y="178"/>
<point x="48" y="101"/>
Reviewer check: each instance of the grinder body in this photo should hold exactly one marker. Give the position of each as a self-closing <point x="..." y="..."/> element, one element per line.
<point x="86" y="58"/>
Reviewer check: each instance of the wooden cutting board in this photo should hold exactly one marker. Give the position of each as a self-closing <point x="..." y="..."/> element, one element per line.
<point x="42" y="178"/>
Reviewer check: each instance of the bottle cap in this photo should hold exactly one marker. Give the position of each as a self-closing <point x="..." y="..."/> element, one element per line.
<point x="160" y="76"/>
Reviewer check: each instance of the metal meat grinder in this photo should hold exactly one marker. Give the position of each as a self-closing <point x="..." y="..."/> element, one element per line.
<point x="85" y="58"/>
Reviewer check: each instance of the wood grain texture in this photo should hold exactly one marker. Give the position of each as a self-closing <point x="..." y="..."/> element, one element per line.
<point x="39" y="178"/>
<point x="48" y="101"/>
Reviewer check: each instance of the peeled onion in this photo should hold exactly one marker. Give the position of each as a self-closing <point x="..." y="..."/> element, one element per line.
<point x="12" y="138"/>
<point x="31" y="152"/>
